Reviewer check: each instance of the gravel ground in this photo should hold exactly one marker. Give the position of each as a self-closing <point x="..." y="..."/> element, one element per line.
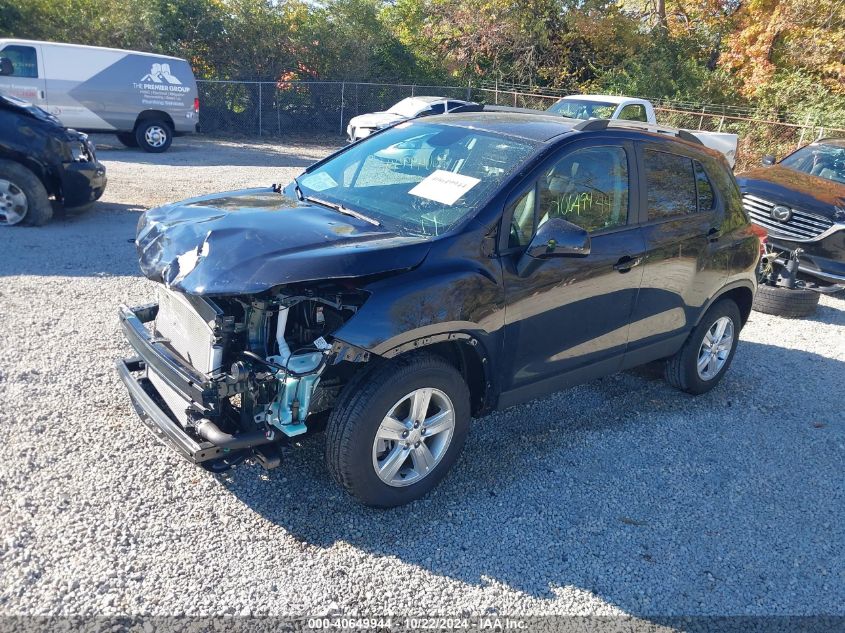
<point x="620" y="496"/>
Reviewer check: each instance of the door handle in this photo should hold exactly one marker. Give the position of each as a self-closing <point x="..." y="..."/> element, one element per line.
<point x="627" y="263"/>
<point x="714" y="234"/>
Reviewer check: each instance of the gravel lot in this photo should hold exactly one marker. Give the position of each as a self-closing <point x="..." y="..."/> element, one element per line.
<point x="620" y="496"/>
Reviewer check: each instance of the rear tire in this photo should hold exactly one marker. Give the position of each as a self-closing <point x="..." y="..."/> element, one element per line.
<point x="358" y="456"/>
<point x="23" y="198"/>
<point x="683" y="371"/>
<point x="153" y="135"/>
<point x="127" y="138"/>
<point x="791" y="303"/>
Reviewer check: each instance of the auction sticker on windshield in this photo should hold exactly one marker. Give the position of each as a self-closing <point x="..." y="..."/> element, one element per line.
<point x="444" y="187"/>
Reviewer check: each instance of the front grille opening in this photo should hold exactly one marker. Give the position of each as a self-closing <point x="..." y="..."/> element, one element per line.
<point x="800" y="227"/>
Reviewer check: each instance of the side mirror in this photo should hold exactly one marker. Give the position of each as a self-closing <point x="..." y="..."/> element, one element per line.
<point x="555" y="238"/>
<point x="6" y="67"/>
<point x="769" y="159"/>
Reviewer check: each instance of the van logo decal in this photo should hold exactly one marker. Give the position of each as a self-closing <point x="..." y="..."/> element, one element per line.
<point x="159" y="73"/>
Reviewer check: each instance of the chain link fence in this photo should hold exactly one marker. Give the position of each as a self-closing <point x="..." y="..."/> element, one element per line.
<point x="322" y="109"/>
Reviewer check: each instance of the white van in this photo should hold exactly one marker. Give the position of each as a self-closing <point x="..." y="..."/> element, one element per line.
<point x="146" y="99"/>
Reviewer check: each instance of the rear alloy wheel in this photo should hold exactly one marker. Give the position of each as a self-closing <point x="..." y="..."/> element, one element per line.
<point x="791" y="303"/>
<point x="708" y="351"/>
<point x="23" y="199"/>
<point x="397" y="430"/>
<point x="153" y="136"/>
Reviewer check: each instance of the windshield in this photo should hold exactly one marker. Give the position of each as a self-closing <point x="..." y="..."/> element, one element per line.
<point x="420" y="178"/>
<point x="824" y="161"/>
<point x="408" y="107"/>
<point x="578" y="109"/>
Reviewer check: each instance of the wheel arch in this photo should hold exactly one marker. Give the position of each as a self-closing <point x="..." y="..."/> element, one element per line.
<point x="465" y="352"/>
<point x="741" y="293"/>
<point x="147" y="115"/>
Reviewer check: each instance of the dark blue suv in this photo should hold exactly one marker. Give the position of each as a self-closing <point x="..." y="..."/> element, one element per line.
<point x="438" y="270"/>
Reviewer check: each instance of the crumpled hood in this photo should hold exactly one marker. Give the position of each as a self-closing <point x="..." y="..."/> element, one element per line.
<point x="796" y="189"/>
<point x="375" y="119"/>
<point x="245" y="242"/>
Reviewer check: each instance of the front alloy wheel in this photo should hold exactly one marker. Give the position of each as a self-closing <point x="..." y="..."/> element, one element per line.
<point x="13" y="203"/>
<point x="413" y="437"/>
<point x="397" y="429"/>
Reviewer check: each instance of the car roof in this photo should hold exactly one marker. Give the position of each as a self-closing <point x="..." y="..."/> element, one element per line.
<point x="836" y="142"/>
<point x="604" y="99"/>
<point x="534" y="126"/>
<point x="23" y="42"/>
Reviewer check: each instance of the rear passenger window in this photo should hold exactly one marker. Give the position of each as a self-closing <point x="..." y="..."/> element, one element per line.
<point x="704" y="187"/>
<point x="23" y="58"/>
<point x="671" y="183"/>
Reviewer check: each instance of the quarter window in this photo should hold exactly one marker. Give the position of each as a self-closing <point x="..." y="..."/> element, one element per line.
<point x="23" y="58"/>
<point x="588" y="187"/>
<point x="704" y="187"/>
<point x="522" y="219"/>
<point x="671" y="183"/>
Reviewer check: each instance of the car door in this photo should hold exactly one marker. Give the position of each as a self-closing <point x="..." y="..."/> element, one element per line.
<point x="567" y="321"/>
<point x="681" y="216"/>
<point x="23" y="76"/>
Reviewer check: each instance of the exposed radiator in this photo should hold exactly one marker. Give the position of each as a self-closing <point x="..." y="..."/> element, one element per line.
<point x="187" y="333"/>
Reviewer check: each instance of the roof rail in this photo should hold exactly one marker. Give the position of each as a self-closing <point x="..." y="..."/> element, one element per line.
<point x="594" y="125"/>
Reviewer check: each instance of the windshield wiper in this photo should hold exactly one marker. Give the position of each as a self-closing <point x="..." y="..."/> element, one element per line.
<point x="344" y="210"/>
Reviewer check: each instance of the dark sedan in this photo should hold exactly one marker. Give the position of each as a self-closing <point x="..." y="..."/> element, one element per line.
<point x="800" y="201"/>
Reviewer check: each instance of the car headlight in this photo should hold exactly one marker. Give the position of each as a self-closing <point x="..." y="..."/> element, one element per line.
<point x="78" y="151"/>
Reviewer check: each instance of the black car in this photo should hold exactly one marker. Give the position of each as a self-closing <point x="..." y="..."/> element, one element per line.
<point x="800" y="202"/>
<point x="43" y="164"/>
<point x="441" y="269"/>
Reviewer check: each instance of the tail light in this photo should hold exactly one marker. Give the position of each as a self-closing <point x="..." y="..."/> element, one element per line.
<point x="197" y="105"/>
<point x="760" y="232"/>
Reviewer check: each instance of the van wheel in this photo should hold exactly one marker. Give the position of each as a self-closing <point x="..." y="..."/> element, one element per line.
<point x="153" y="135"/>
<point x="23" y="198"/>
<point x="791" y="303"/>
<point x="708" y="351"/>
<point x="127" y="139"/>
<point x="398" y="429"/>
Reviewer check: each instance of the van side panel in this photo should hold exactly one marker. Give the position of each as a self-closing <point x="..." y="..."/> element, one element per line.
<point x="105" y="90"/>
<point x="67" y="68"/>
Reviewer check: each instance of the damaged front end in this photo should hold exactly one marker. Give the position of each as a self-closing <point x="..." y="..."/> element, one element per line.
<point x="217" y="378"/>
<point x="239" y="353"/>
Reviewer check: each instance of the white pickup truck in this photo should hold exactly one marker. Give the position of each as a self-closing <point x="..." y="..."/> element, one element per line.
<point x="587" y="107"/>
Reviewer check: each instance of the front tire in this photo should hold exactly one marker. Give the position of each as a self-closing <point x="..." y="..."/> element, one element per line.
<point x="398" y="429"/>
<point x="708" y="351"/>
<point x="792" y="303"/>
<point x="153" y="135"/>
<point x="23" y="198"/>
